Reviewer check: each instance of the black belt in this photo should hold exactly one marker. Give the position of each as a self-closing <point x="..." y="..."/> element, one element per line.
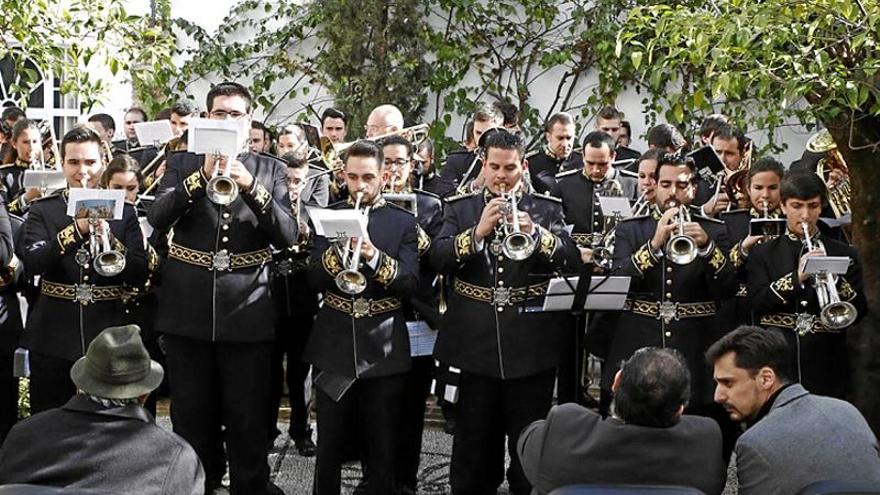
<point x="361" y="307"/>
<point x="802" y="323"/>
<point x="83" y="293"/>
<point x="222" y="260"/>
<point x="668" y="310"/>
<point x="499" y="296"/>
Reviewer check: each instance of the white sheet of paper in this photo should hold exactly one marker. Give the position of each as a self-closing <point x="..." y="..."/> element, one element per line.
<point x="50" y="179"/>
<point x="338" y="223"/>
<point x="611" y="295"/>
<point x="154" y="132"/>
<point x="96" y="203"/>
<point x="614" y="205"/>
<point x="421" y="338"/>
<point x="828" y="264"/>
<point x="223" y="137"/>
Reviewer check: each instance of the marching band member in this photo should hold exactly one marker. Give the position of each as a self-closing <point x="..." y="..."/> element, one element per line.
<point x="507" y="357"/>
<point x="215" y="307"/>
<point x="785" y="298"/>
<point x="556" y="156"/>
<point x="76" y="301"/>
<point x="463" y="166"/>
<point x="359" y="345"/>
<point x="25" y="152"/>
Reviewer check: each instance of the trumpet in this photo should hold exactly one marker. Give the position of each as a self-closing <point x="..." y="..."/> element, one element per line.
<point x="516" y="244"/>
<point x="603" y="251"/>
<point x="221" y="189"/>
<point x="351" y="280"/>
<point x="107" y="261"/>
<point x="681" y="249"/>
<point x="833" y="313"/>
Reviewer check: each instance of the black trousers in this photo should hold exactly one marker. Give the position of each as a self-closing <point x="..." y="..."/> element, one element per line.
<point x="291" y="337"/>
<point x="489" y="409"/>
<point x="51" y="385"/>
<point x="370" y="405"/>
<point x="8" y="396"/>
<point x="412" y="421"/>
<point x="570" y="366"/>
<point x="217" y="384"/>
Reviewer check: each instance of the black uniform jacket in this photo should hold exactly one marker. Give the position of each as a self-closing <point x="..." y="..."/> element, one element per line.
<point x="424" y="303"/>
<point x="10" y="313"/>
<point x="485" y="329"/>
<point x="60" y="326"/>
<point x="364" y="336"/>
<point x="143" y="154"/>
<point x="12" y="176"/>
<point x="453" y="172"/>
<point x="692" y="291"/>
<point x="580" y="199"/>
<point x="231" y="304"/>
<point x="777" y="297"/>
<point x="543" y="167"/>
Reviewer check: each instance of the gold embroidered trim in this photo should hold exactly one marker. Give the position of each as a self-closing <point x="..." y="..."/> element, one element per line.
<point x="424" y="240"/>
<point x="67" y="237"/>
<point x="547" y="242"/>
<point x="643" y="258"/>
<point x="846" y="291"/>
<point x="75" y="292"/>
<point x="789" y="321"/>
<point x="361" y="307"/>
<point x="193" y="183"/>
<point x="683" y="310"/>
<point x="717" y="261"/>
<point x="387" y="269"/>
<point x="15" y="206"/>
<point x="511" y="295"/>
<point x="332" y="263"/>
<point x="743" y="291"/>
<point x="587" y="240"/>
<point x="208" y="260"/>
<point x="736" y="257"/>
<point x="261" y="196"/>
<point x="465" y="244"/>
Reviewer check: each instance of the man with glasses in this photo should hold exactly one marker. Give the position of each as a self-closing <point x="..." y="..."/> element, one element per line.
<point x="384" y="119"/>
<point x="214" y="307"/>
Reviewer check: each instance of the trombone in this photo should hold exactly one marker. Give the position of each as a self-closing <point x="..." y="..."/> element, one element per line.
<point x="107" y="261"/>
<point x="516" y="245"/>
<point x="351" y="280"/>
<point x="833" y="313"/>
<point x="681" y="248"/>
<point x="416" y="134"/>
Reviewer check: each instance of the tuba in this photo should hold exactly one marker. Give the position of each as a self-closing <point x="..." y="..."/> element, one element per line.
<point x="839" y="193"/>
<point x="351" y="280"/>
<point x="516" y="245"/>
<point x="681" y="249"/>
<point x="833" y="313"/>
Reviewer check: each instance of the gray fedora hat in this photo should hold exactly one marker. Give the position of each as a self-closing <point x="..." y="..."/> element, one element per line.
<point x="117" y="366"/>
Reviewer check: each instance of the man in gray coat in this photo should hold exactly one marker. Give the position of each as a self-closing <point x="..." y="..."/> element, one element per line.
<point x="794" y="438"/>
<point x="647" y="441"/>
<point x="103" y="439"/>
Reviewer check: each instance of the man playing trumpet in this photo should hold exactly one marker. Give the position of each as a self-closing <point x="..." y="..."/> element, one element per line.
<point x="359" y="344"/>
<point x="499" y="247"/>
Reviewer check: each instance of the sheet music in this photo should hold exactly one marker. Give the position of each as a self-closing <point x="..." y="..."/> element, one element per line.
<point x="224" y="137"/>
<point x="154" y="132"/>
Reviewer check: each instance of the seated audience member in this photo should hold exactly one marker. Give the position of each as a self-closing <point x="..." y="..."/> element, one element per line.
<point x="103" y="439"/>
<point x="794" y="438"/>
<point x="646" y="441"/>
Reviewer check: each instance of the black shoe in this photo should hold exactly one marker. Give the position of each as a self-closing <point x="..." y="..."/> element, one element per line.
<point x="449" y="425"/>
<point x="306" y="447"/>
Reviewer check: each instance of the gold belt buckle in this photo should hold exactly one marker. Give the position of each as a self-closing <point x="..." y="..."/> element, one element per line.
<point x="501" y="296"/>
<point x="221" y="260"/>
<point x="360" y="307"/>
<point x="804" y="323"/>
<point x="84" y="293"/>
<point x="667" y="311"/>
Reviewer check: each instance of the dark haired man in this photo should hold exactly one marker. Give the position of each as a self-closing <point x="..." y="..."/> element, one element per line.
<point x="334" y="125"/>
<point x="729" y="144"/>
<point x="666" y="137"/>
<point x="507" y="369"/>
<point x="783" y="296"/>
<point x="214" y="307"/>
<point x="610" y="121"/>
<point x="104" y="125"/>
<point x="710" y="124"/>
<point x="75" y="301"/>
<point x="143" y="153"/>
<point x="556" y="156"/>
<point x="625" y="137"/>
<point x="359" y="342"/>
<point x="672" y="297"/>
<point x="576" y="445"/>
<point x="260" y="138"/>
<point x="462" y="167"/>
<point x="794" y="438"/>
<point x="181" y="112"/>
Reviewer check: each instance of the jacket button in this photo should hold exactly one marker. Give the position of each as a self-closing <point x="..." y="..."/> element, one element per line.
<point x="500" y="309"/>
<point x="669" y="295"/>
<point x="669" y="269"/>
<point x="226" y="215"/>
<point x="500" y="269"/>
<point x="669" y="281"/>
<point x="85" y="277"/>
<point x="225" y="227"/>
<point x="804" y="304"/>
<point x="669" y="334"/>
<point x="501" y="283"/>
<point x="224" y="239"/>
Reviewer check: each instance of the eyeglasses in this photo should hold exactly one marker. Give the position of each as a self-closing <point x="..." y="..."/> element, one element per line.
<point x="370" y="128"/>
<point x="396" y="163"/>
<point x="224" y="114"/>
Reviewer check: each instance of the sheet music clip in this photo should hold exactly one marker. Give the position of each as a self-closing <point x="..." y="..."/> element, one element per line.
<point x="605" y="293"/>
<point x="837" y="265"/>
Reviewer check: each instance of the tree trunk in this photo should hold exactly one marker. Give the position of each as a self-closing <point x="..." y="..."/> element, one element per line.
<point x="864" y="170"/>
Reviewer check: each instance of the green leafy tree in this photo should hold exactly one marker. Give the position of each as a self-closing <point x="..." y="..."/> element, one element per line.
<point x="764" y="62"/>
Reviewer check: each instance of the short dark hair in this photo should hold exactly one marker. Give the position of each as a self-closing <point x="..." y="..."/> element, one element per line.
<point x="485" y="112"/>
<point x="80" y="134"/>
<point x="728" y="132"/>
<point x="509" y="111"/>
<point x="138" y="110"/>
<point x="596" y="139"/>
<point x="267" y="134"/>
<point x="12" y="113"/>
<point x="767" y="164"/>
<point x="609" y="112"/>
<point x="624" y="124"/>
<point x="803" y="184"/>
<point x="502" y="139"/>
<point x="427" y="144"/>
<point x="711" y="123"/>
<point x="398" y="140"/>
<point x="755" y="348"/>
<point x="365" y="149"/>
<point x="651" y="154"/>
<point x="121" y="163"/>
<point x="228" y="88"/>
<point x="675" y="160"/>
<point x="654" y="384"/>
<point x="184" y="107"/>
<point x="665" y="136"/>
<point x="105" y="120"/>
<point x="333" y="113"/>
<point x="295" y="160"/>
<point x="563" y="118"/>
<point x="163" y="114"/>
